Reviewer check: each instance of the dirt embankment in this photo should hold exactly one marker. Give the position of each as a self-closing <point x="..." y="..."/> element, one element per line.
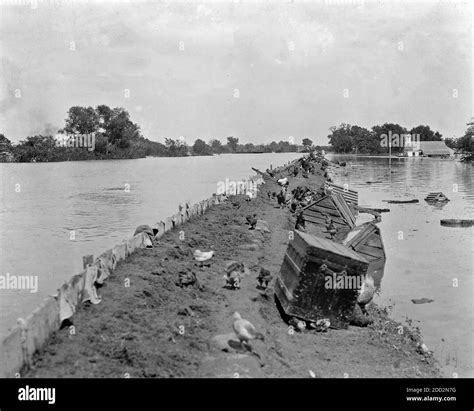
<point x="147" y="326"/>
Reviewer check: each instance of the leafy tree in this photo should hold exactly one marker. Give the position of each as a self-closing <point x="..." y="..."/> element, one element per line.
<point x="81" y="120"/>
<point x="5" y="144"/>
<point x="249" y="148"/>
<point x="176" y="148"/>
<point x="340" y="138"/>
<point x="451" y="142"/>
<point x="364" y="141"/>
<point x="307" y="142"/>
<point x="426" y="134"/>
<point x="200" y="148"/>
<point x="390" y="130"/>
<point x="216" y="146"/>
<point x="232" y="143"/>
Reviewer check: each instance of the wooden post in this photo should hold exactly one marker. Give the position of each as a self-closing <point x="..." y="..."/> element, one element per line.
<point x="87" y="260"/>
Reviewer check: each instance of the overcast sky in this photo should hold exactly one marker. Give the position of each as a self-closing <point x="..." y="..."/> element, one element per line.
<point x="290" y="62"/>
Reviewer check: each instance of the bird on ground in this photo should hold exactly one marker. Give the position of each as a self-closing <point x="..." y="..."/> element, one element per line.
<point x="234" y="274"/>
<point x="233" y="279"/>
<point x="264" y="277"/>
<point x="250" y="196"/>
<point x="300" y="221"/>
<point x="283" y="181"/>
<point x="186" y="278"/>
<point x="252" y="221"/>
<point x="298" y="325"/>
<point x="281" y="197"/>
<point x="203" y="256"/>
<point x="366" y="293"/>
<point x="269" y="195"/>
<point x="245" y="330"/>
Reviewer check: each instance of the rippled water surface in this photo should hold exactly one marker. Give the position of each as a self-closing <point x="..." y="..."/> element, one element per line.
<point x="424" y="259"/>
<point x="101" y="202"/>
<point x="90" y="198"/>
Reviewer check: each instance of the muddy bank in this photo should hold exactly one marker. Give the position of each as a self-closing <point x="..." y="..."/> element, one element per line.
<point x="149" y="326"/>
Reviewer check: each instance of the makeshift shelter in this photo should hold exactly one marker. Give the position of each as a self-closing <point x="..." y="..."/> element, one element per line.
<point x="366" y="240"/>
<point x="309" y="283"/>
<point x="351" y="196"/>
<point x="332" y="205"/>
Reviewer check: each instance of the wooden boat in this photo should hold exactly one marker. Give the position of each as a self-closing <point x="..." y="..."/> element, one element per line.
<point x="366" y="240"/>
<point x="438" y="197"/>
<point x="332" y="206"/>
<point x="451" y="222"/>
<point x="402" y="201"/>
<point x="310" y="263"/>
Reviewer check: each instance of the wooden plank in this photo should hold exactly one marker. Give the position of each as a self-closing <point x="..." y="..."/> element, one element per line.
<point x="373" y="251"/>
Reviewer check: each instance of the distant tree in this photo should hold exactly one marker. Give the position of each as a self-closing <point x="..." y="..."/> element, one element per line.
<point x="451" y="142"/>
<point x="364" y="141"/>
<point x="176" y="148"/>
<point x="200" y="148"/>
<point x="119" y="129"/>
<point x="249" y="148"/>
<point x="232" y="143"/>
<point x="307" y="142"/>
<point x="37" y="148"/>
<point x="5" y="144"/>
<point x="391" y="131"/>
<point x="340" y="138"/>
<point x="274" y="147"/>
<point x="81" y="120"/>
<point x="426" y="134"/>
<point x="216" y="146"/>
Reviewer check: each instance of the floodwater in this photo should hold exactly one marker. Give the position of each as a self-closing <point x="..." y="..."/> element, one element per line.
<point x="52" y="214"/>
<point x="424" y="259"/>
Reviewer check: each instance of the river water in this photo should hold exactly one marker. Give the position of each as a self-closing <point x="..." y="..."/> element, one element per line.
<point x="51" y="214"/>
<point x="424" y="259"/>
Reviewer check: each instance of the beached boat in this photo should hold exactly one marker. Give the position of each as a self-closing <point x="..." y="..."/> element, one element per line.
<point x="366" y="240"/>
<point x="319" y="279"/>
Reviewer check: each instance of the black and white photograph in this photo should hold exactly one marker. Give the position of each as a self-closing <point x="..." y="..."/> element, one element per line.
<point x="243" y="189"/>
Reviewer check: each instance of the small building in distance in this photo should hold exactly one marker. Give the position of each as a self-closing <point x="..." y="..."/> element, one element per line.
<point x="429" y="149"/>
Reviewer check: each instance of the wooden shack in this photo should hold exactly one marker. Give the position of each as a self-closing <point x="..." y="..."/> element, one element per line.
<point x="351" y="196"/>
<point x="366" y="240"/>
<point x="309" y="265"/>
<point x="332" y="205"/>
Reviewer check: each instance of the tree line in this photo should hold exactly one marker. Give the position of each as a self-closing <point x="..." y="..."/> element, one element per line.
<point x="347" y="138"/>
<point x="117" y="136"/>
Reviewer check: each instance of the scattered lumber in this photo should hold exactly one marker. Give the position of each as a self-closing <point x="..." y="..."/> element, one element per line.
<point x="402" y="201"/>
<point x="452" y="222"/>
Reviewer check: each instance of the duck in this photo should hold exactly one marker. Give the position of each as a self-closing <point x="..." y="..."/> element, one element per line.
<point x="203" y="256"/>
<point x="233" y="280"/>
<point x="298" y="325"/>
<point x="186" y="278"/>
<point x="264" y="277"/>
<point x="245" y="330"/>
<point x="234" y="274"/>
<point x="250" y="196"/>
<point x="366" y="293"/>
<point x="252" y="221"/>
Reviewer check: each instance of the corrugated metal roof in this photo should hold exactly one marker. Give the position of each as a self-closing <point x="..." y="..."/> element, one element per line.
<point x="433" y="148"/>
